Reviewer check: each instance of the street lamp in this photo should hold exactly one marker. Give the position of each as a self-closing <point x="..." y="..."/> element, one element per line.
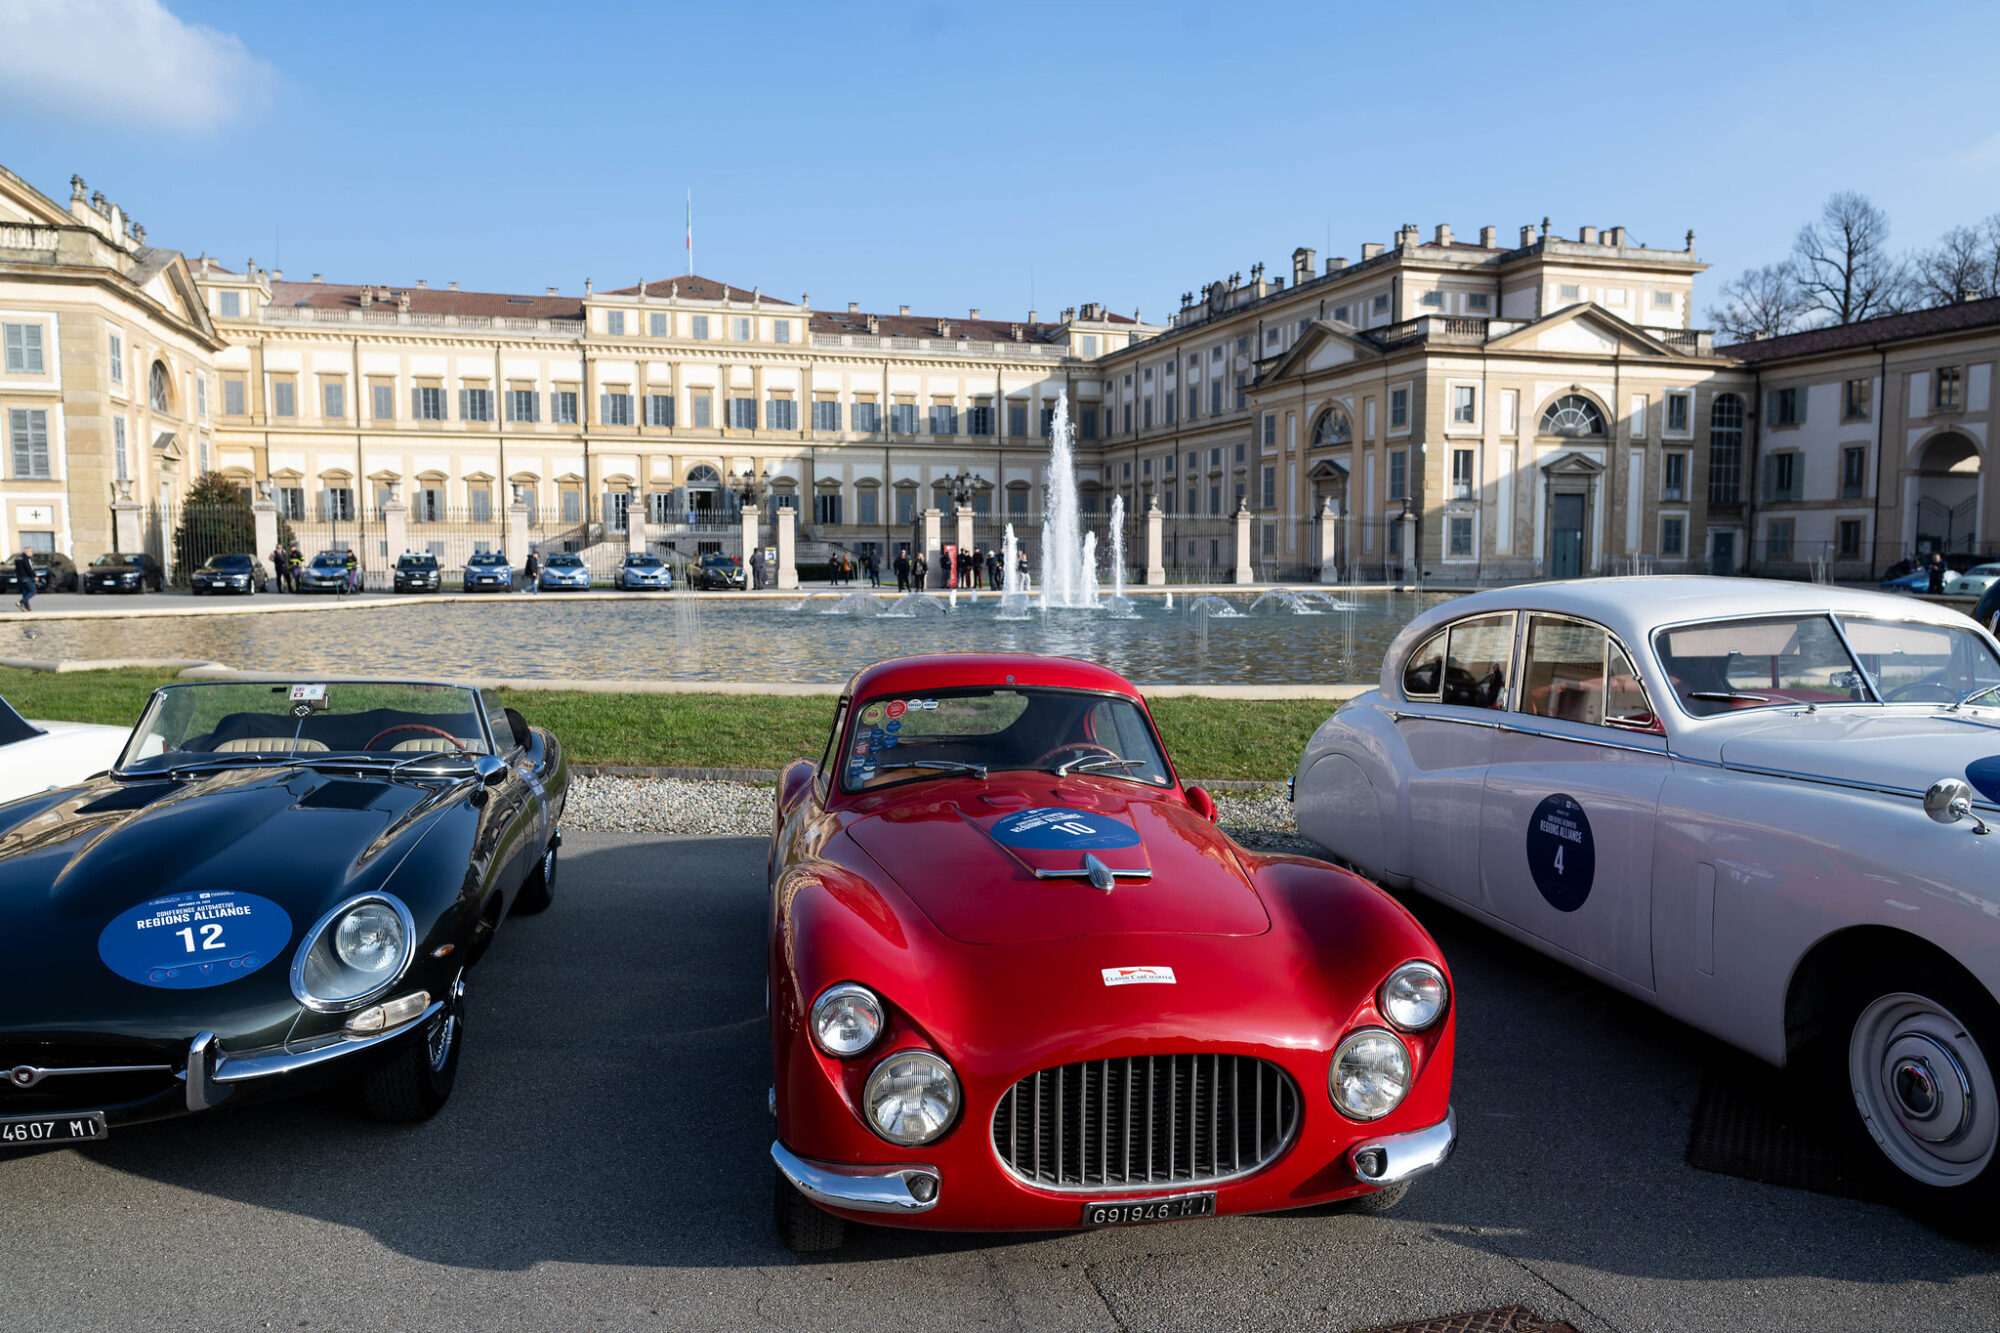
<point x="748" y="485"/>
<point x="963" y="487"/>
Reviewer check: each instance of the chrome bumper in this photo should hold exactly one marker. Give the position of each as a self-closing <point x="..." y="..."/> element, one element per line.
<point x="863" y="1189"/>
<point x="1385" y="1161"/>
<point x="211" y="1073"/>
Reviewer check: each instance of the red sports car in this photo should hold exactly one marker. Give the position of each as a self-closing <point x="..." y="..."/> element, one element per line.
<point x="1019" y="981"/>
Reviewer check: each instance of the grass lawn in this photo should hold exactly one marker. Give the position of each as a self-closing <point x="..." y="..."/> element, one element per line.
<point x="1208" y="738"/>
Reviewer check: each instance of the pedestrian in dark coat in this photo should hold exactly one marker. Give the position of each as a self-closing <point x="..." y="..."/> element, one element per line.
<point x="24" y="571"/>
<point x="920" y="570"/>
<point x="902" y="572"/>
<point x="532" y="572"/>
<point x="1936" y="572"/>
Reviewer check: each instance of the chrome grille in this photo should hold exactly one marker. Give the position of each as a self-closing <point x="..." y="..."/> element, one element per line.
<point x="1145" y="1120"/>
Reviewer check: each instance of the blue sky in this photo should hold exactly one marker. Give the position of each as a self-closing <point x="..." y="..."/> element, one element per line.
<point x="948" y="156"/>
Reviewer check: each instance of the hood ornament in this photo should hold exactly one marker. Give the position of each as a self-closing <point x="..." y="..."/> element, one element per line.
<point x="1100" y="875"/>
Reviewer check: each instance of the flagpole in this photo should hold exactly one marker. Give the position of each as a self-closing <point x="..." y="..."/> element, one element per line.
<point x="690" y="231"/>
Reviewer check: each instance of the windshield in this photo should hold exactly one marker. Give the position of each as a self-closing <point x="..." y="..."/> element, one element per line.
<point x="565" y="562"/>
<point x="995" y="729"/>
<point x="118" y="560"/>
<point x="329" y="561"/>
<point x="1725" y="666"/>
<point x="487" y="560"/>
<point x="417" y="562"/>
<point x="261" y="722"/>
<point x="643" y="561"/>
<point x="229" y="562"/>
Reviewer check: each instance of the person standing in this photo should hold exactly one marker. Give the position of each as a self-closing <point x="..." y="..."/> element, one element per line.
<point x="920" y="569"/>
<point x="1936" y="572"/>
<point x="353" y="571"/>
<point x="278" y="566"/>
<point x="872" y="568"/>
<point x="531" y="572"/>
<point x="24" y="572"/>
<point x="756" y="569"/>
<point x="1021" y="570"/>
<point x="902" y="570"/>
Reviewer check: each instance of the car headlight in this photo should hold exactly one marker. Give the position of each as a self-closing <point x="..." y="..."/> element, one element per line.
<point x="1414" y="996"/>
<point x="353" y="953"/>
<point x="911" y="1098"/>
<point x="846" y="1019"/>
<point x="1370" y="1074"/>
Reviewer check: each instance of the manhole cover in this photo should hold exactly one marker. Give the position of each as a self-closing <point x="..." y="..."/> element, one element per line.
<point x="1506" y="1319"/>
<point x="1751" y="1122"/>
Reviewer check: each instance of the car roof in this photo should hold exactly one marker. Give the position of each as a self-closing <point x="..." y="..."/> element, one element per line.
<point x="944" y="671"/>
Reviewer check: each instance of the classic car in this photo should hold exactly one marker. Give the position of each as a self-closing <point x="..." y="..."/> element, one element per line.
<point x="1717" y="795"/>
<point x="418" y="571"/>
<point x="488" y="571"/>
<point x="718" y="571"/>
<point x="279" y="886"/>
<point x="640" y="573"/>
<point x="229" y="573"/>
<point x="54" y="572"/>
<point x="1019" y="980"/>
<point x="325" y="572"/>
<point x="1973" y="582"/>
<point x="563" y="573"/>
<point x="35" y="756"/>
<point x="124" y="572"/>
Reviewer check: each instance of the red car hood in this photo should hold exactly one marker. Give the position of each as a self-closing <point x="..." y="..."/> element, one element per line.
<point x="948" y="855"/>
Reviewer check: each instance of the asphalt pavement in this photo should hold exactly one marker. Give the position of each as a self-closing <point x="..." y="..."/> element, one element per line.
<point x="603" y="1165"/>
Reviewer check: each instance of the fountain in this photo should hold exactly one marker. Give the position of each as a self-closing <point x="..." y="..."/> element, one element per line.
<point x="1121" y="606"/>
<point x="1013" y="598"/>
<point x="1069" y="556"/>
<point x="854" y="604"/>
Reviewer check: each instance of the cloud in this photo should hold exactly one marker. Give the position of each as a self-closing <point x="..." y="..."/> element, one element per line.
<point x="125" y="62"/>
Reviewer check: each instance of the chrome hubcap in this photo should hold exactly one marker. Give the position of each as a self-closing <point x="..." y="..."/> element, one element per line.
<point x="1924" y="1089"/>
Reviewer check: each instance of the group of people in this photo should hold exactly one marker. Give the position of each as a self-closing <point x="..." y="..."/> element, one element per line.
<point x="841" y="568"/>
<point x="287" y="561"/>
<point x="976" y="568"/>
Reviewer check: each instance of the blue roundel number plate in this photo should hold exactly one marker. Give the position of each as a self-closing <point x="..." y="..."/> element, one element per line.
<point x="186" y="941"/>
<point x="1562" y="856"/>
<point x="1051" y="828"/>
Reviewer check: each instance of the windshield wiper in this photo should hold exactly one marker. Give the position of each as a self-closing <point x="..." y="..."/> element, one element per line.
<point x="243" y="759"/>
<point x="1970" y="697"/>
<point x="1724" y="696"/>
<point x="1069" y="766"/>
<point x="942" y="765"/>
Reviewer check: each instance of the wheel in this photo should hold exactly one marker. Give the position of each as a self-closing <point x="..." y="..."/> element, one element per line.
<point x="1380" y="1201"/>
<point x="416" y="1082"/>
<point x="803" y="1227"/>
<point x="1913" y="1048"/>
<point x="540" y="890"/>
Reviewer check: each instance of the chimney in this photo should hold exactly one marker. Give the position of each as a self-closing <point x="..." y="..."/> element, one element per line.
<point x="854" y="307"/>
<point x="278" y="275"/>
<point x="1587" y="235"/>
<point x="1406" y="235"/>
<point x="1442" y="236"/>
<point x="942" y="327"/>
<point x="550" y="291"/>
<point x="1336" y="264"/>
<point x="420" y="285"/>
<point x="1016" y="331"/>
<point x="975" y="313"/>
<point x="1489" y="237"/>
<point x="403" y="301"/>
<point x="451" y="286"/>
<point x="1031" y="317"/>
<point x="1370" y="250"/>
<point x="1069" y="315"/>
<point x="1527" y="235"/>
<point x="874" y="324"/>
<point x="1617" y="237"/>
<point x="367" y="297"/>
<point x="902" y="310"/>
<point x="1302" y="265"/>
<point x="318" y="278"/>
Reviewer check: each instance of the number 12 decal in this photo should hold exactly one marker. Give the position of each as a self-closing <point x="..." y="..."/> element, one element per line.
<point x="211" y="937"/>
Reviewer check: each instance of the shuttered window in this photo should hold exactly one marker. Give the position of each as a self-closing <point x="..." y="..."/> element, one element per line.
<point x="24" y="349"/>
<point x="28" y="434"/>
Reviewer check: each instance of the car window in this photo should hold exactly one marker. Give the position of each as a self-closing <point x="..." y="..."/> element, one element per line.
<point x="229" y="562"/>
<point x="261" y="722"/>
<point x="1562" y="672"/>
<point x="1005" y="728"/>
<point x="1772" y="661"/>
<point x="1425" y="669"/>
<point x="1911" y="662"/>
<point x="1476" y="656"/>
<point x="1626" y="703"/>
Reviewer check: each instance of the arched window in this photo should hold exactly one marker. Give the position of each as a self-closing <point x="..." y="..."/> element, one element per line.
<point x="1573" y="415"/>
<point x="1725" y="450"/>
<point x="159" y="386"/>
<point x="1332" y="427"/>
<point x="701" y="474"/>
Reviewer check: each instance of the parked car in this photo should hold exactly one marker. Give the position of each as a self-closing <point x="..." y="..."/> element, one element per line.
<point x="1716" y="795"/>
<point x="325" y="572"/>
<point x="644" y="573"/>
<point x="717" y="571"/>
<point x="488" y="571"/>
<point x="1019" y="980"/>
<point x="54" y="572"/>
<point x="1973" y="582"/>
<point x="35" y="756"/>
<point x="124" y="572"/>
<point x="418" y="571"/>
<point x="1955" y="562"/>
<point x="563" y="573"/>
<point x="230" y="573"/>
<point x="278" y="887"/>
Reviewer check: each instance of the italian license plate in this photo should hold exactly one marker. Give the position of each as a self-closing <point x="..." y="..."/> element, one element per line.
<point x="1131" y="1212"/>
<point x="30" y="1131"/>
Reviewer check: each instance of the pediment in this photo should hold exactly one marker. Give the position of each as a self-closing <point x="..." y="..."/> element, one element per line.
<point x="1323" y="346"/>
<point x="1572" y="463"/>
<point x="1327" y="469"/>
<point x="1584" y="329"/>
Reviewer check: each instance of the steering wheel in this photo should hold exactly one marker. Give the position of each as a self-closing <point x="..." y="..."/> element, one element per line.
<point x="414" y="726"/>
<point x="1923" y="692"/>
<point x="1073" y="745"/>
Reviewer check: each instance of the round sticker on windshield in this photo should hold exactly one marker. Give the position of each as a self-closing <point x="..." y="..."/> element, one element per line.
<point x="187" y="941"/>
<point x="1561" y="854"/>
<point x="1052" y="829"/>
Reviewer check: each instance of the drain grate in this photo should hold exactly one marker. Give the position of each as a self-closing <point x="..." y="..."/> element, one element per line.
<point x="1752" y="1123"/>
<point x="1505" y="1319"/>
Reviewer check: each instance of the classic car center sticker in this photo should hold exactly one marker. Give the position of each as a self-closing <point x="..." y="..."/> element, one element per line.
<point x="1561" y="853"/>
<point x="1139" y="976"/>
<point x="1051" y="828"/>
<point x="186" y="941"/>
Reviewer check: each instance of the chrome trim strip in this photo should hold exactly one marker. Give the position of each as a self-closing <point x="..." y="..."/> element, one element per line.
<point x="311" y="938"/>
<point x="1407" y="1155"/>
<point x="270" y="1061"/>
<point x="1397" y="715"/>
<point x="27" y="1076"/>
<point x="861" y="1189"/>
<point x="204" y="1057"/>
<point x="1849" y="783"/>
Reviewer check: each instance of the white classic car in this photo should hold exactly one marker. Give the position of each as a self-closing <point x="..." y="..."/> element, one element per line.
<point x="35" y="756"/>
<point x="1722" y="796"/>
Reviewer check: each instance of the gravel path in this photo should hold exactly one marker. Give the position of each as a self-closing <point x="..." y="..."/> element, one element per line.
<point x="1260" y="819"/>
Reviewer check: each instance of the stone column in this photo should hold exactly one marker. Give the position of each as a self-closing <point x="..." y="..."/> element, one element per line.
<point x="635" y="525"/>
<point x="964" y="515"/>
<point x="128" y="522"/>
<point x="395" y="528"/>
<point x="1329" y="543"/>
<point x="517" y="534"/>
<point x="787" y="522"/>
<point x="264" y="513"/>
<point x="1413" y="561"/>
<point x="750" y="539"/>
<point x="934" y="546"/>
<point x="1244" y="574"/>
<point x="1156" y="569"/>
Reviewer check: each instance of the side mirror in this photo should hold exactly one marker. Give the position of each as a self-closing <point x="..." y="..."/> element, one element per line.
<point x="1201" y="803"/>
<point x="492" y="770"/>
<point x="1950" y="800"/>
<point x="796" y="781"/>
<point x="519" y="725"/>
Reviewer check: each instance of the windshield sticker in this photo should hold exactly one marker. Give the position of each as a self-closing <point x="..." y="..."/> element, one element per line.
<point x="1139" y="976"/>
<point x="1561" y="853"/>
<point x="896" y="708"/>
<point x="188" y="941"/>
<point x="1054" y="829"/>
<point x="1984" y="775"/>
<point x="873" y="712"/>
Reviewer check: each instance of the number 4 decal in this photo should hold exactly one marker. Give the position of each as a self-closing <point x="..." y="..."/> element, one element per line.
<point x="1559" y="860"/>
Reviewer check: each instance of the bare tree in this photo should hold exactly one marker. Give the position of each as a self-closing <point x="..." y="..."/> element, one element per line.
<point x="1842" y="262"/>
<point x="1963" y="265"/>
<point x="1763" y="303"/>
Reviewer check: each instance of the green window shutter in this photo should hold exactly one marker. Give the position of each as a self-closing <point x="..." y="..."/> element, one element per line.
<point x="416" y="404"/>
<point x="1799" y="397"/>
